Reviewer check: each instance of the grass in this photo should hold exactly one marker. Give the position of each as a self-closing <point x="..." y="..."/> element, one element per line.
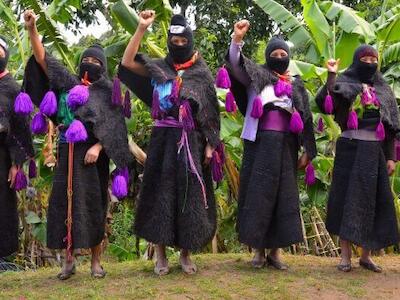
<point x="223" y="276"/>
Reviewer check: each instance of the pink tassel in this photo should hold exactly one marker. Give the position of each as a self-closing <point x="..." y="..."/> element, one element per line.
<point x="352" y="121"/>
<point x="320" y="127"/>
<point x="127" y="105"/>
<point x="257" y="109"/>
<point x="185" y="116"/>
<point x="174" y="96"/>
<point x="296" y="123"/>
<point x="328" y="104"/>
<point x="76" y="132"/>
<point x="222" y="79"/>
<point x="119" y="187"/>
<point x="310" y="174"/>
<point x="116" y="92"/>
<point x="32" y="169"/>
<point x="39" y="124"/>
<point x="230" y="103"/>
<point x="282" y="88"/>
<point x="217" y="163"/>
<point x="20" y="180"/>
<point x="23" y="104"/>
<point x="48" y="106"/>
<point x="78" y="96"/>
<point x="365" y="98"/>
<point x="380" y="131"/>
<point x="155" y="106"/>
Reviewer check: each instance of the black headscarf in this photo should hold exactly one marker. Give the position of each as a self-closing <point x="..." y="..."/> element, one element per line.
<point x="362" y="72"/>
<point x="4" y="60"/>
<point x="94" y="71"/>
<point x="179" y="27"/>
<point x="278" y="65"/>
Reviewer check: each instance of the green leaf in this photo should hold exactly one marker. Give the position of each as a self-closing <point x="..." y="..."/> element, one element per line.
<point x="345" y="47"/>
<point x="32" y="218"/>
<point x="391" y="54"/>
<point x="306" y="70"/>
<point x="39" y="232"/>
<point x="390" y="30"/>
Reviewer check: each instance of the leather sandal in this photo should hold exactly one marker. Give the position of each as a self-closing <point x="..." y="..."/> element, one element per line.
<point x="371" y="266"/>
<point x="66" y="274"/>
<point x="276" y="264"/>
<point x="98" y="274"/>
<point x="161" y="271"/>
<point x="345" y="267"/>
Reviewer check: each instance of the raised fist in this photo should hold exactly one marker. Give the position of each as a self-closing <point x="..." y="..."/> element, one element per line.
<point x="146" y="18"/>
<point x="240" y="29"/>
<point x="30" y="19"/>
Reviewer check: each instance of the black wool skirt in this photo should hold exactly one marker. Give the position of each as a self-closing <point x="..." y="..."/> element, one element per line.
<point x="360" y="206"/>
<point x="89" y="204"/>
<point x="170" y="208"/>
<point x="8" y="206"/>
<point x="269" y="211"/>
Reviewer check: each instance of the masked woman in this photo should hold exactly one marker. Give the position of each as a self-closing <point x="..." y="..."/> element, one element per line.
<point x="176" y="206"/>
<point x="277" y="122"/>
<point x="360" y="206"/>
<point x="15" y="149"/>
<point x="92" y="130"/>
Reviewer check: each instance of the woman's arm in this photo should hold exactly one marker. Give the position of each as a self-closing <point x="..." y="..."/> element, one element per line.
<point x="146" y="18"/>
<point x="37" y="46"/>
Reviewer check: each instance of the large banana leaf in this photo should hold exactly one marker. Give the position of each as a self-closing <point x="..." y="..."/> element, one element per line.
<point x="298" y="34"/>
<point x="348" y="20"/>
<point x="386" y="15"/>
<point x="307" y="70"/>
<point x="345" y="47"/>
<point x="389" y="31"/>
<point x="391" y="54"/>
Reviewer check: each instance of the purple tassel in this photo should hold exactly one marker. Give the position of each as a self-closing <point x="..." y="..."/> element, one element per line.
<point x="217" y="163"/>
<point x="380" y="131"/>
<point x="320" y="127"/>
<point x="365" y="98"/>
<point x="352" y="121"/>
<point x="127" y="105"/>
<point x="296" y="123"/>
<point x="222" y="79"/>
<point x="23" y="104"/>
<point x="310" y="174"/>
<point x="185" y="116"/>
<point x="76" y="132"/>
<point x="174" y="96"/>
<point x="230" y="103"/>
<point x="119" y="187"/>
<point x="78" y="96"/>
<point x="155" y="106"/>
<point x="328" y="104"/>
<point x="48" y="106"/>
<point x="20" y="180"/>
<point x="32" y="169"/>
<point x="257" y="109"/>
<point x="39" y="124"/>
<point x="116" y="92"/>
<point x="282" y="88"/>
<point x="397" y="148"/>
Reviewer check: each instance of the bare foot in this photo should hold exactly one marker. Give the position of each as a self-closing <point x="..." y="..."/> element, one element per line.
<point x="259" y="259"/>
<point x="186" y="263"/>
<point x="161" y="268"/>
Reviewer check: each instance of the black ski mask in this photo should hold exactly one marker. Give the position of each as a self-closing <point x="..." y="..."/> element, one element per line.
<point x="278" y="65"/>
<point x="94" y="71"/>
<point x="179" y="27"/>
<point x="4" y="60"/>
<point x="365" y="71"/>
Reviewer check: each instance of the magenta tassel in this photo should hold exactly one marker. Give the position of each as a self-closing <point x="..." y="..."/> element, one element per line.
<point x="320" y="127"/>
<point x="32" y="169"/>
<point x="217" y="163"/>
<point x="119" y="187"/>
<point x="20" y="180"/>
<point x="23" y="104"/>
<point x="328" y="104"/>
<point x="296" y="123"/>
<point x="76" y="132"/>
<point x="78" y="96"/>
<point x="282" y="88"/>
<point x="365" y="99"/>
<point x="39" y="124"/>
<point x="222" y="79"/>
<point x="230" y="103"/>
<point x="380" y="131"/>
<point x="127" y="105"/>
<point x="352" y="121"/>
<point x="48" y="106"/>
<point x="116" y="92"/>
<point x="185" y="116"/>
<point x="257" y="109"/>
<point x="310" y="174"/>
<point x="155" y="107"/>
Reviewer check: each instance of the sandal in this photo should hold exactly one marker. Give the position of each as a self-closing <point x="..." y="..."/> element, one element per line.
<point x="99" y="274"/>
<point x="371" y="266"/>
<point x="258" y="264"/>
<point x="66" y="274"/>
<point x="188" y="269"/>
<point x="276" y="264"/>
<point x="161" y="271"/>
<point x="345" y="267"/>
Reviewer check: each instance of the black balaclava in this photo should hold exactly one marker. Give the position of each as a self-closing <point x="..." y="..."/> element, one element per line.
<point x="365" y="71"/>
<point x="4" y="60"/>
<point x="179" y="27"/>
<point x="278" y="65"/>
<point x="94" y="71"/>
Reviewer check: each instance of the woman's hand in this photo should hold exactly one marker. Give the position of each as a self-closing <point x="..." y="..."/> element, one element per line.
<point x="240" y="29"/>
<point x="12" y="173"/>
<point x="208" y="152"/>
<point x="30" y="19"/>
<point x="391" y="166"/>
<point x="333" y="65"/>
<point x="146" y="18"/>
<point x="303" y="161"/>
<point x="93" y="154"/>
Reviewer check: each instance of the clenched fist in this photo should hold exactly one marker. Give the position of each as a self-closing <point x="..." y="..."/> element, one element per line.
<point x="240" y="29"/>
<point x="146" y="18"/>
<point x="30" y="19"/>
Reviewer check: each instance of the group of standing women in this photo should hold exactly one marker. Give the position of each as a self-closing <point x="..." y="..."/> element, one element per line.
<point x="176" y="205"/>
